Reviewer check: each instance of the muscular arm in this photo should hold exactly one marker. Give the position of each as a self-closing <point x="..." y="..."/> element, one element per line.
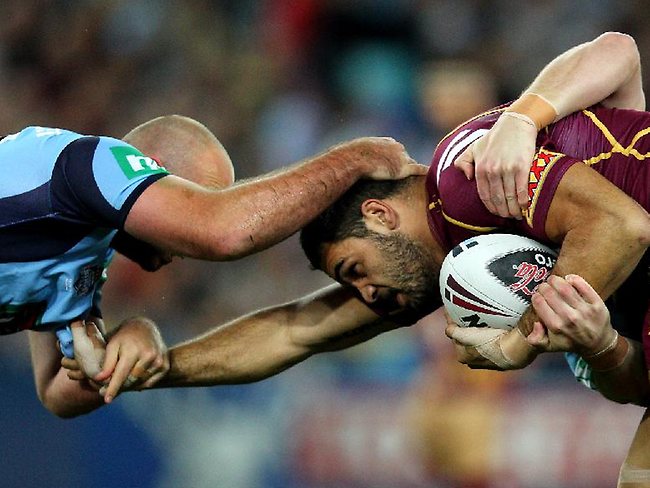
<point x="606" y="70"/>
<point x="628" y="381"/>
<point x="269" y="341"/>
<point x="603" y="233"/>
<point x="182" y="217"/>
<point x="59" y="394"/>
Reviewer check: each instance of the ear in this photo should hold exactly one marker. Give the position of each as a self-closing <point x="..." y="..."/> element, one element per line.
<point x="379" y="215"/>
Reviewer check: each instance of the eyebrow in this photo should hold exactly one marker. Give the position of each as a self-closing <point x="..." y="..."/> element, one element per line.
<point x="337" y="271"/>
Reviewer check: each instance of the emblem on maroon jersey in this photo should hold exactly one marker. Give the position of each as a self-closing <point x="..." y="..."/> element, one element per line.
<point x="543" y="160"/>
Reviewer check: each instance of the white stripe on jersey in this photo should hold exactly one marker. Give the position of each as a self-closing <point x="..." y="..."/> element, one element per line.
<point x="455" y="147"/>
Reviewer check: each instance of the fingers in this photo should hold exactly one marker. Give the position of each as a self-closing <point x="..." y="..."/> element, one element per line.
<point x="574" y="315"/>
<point x="449" y="330"/>
<point x="498" y="193"/>
<point x="484" y="189"/>
<point x="512" y="208"/>
<point x="465" y="162"/>
<point x="544" y="311"/>
<point x="557" y="302"/>
<point x="142" y="374"/>
<point x="474" y="336"/>
<point x="584" y="289"/>
<point x="414" y="169"/>
<point x="136" y="356"/>
<point x="74" y="371"/>
<point x="521" y="187"/>
<point x="118" y="379"/>
<point x="110" y="361"/>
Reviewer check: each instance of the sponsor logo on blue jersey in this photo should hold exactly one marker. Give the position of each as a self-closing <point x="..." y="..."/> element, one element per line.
<point x="134" y="163"/>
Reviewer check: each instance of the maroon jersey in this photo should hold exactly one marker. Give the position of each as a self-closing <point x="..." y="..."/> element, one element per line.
<point x="614" y="142"/>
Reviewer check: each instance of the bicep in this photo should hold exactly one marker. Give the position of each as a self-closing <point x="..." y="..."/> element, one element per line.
<point x="176" y="215"/>
<point x="602" y="230"/>
<point x="629" y="96"/>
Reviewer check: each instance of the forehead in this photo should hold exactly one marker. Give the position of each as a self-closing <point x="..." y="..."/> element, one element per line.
<point x="355" y="248"/>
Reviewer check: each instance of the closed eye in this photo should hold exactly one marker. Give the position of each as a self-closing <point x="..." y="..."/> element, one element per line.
<point x="347" y="272"/>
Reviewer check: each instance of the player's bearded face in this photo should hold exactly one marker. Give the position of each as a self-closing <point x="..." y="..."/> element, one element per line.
<point x="410" y="269"/>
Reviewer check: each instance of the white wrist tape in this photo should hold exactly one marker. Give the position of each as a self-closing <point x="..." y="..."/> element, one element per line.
<point x="486" y="343"/>
<point x="492" y="352"/>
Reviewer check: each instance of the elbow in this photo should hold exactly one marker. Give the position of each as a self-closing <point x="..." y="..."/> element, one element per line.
<point x="621" y="46"/>
<point x="62" y="407"/>
<point x="235" y="245"/>
<point x="641" y="231"/>
<point x="58" y="409"/>
<point x="622" y="43"/>
<point x="632" y="230"/>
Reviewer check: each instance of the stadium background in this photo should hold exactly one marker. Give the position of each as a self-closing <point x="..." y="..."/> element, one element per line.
<point x="278" y="80"/>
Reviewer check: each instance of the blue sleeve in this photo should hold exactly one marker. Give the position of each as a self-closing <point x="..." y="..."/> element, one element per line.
<point x="96" y="180"/>
<point x="580" y="369"/>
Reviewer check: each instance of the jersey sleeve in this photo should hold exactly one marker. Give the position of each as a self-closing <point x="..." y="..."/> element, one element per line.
<point x="466" y="215"/>
<point x="96" y="180"/>
<point x="546" y="172"/>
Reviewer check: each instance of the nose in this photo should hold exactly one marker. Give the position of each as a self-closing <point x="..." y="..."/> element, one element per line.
<point x="368" y="292"/>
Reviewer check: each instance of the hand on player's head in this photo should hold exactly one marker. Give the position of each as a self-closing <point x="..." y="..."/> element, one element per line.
<point x="383" y="158"/>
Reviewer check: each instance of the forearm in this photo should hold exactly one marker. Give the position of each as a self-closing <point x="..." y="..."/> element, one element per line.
<point x="66" y="398"/>
<point x="227" y="224"/>
<point x="606" y="70"/>
<point x="58" y="393"/>
<point x="265" y="211"/>
<point x="620" y="373"/>
<point x="604" y="233"/>
<point x="249" y="349"/>
<point x="267" y="342"/>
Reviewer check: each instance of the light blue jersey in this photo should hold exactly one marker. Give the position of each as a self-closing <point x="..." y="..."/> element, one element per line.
<point x="63" y="197"/>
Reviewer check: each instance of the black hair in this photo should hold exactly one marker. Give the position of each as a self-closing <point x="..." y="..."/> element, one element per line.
<point x="343" y="218"/>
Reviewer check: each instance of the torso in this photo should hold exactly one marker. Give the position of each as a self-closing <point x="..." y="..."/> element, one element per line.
<point x="62" y="200"/>
<point x="615" y="143"/>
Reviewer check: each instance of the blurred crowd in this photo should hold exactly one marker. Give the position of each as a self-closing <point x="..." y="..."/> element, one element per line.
<point x="277" y="81"/>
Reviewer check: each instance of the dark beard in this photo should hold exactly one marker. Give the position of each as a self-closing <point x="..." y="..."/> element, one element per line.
<point x="413" y="270"/>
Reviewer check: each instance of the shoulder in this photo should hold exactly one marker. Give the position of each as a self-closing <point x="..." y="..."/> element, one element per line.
<point x="456" y="141"/>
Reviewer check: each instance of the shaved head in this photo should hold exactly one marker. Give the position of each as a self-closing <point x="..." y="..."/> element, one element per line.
<point x="186" y="148"/>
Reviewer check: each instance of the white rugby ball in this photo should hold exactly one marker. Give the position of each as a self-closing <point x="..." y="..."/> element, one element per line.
<point x="488" y="280"/>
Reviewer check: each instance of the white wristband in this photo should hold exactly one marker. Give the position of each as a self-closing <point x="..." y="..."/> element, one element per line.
<point x="522" y="117"/>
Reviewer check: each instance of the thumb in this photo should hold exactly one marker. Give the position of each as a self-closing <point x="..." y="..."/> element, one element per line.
<point x="418" y="169"/>
<point x="465" y="162"/>
<point x="537" y="336"/>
